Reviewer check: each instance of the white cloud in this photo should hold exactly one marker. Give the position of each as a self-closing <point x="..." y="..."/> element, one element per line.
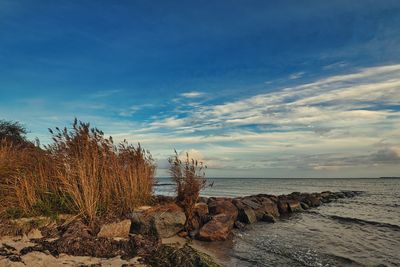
<point x="296" y="75"/>
<point x="193" y="94"/>
<point x="342" y="115"/>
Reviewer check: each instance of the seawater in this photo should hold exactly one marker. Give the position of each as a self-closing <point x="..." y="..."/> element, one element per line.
<point x="360" y="231"/>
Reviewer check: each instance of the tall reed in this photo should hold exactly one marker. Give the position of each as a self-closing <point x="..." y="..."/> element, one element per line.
<point x="189" y="177"/>
<point x="81" y="172"/>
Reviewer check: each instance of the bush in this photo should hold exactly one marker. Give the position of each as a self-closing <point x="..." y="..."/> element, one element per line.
<point x="13" y="132"/>
<point x="189" y="177"/>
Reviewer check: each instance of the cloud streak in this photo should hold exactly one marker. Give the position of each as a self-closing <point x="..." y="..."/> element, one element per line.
<point x="342" y="114"/>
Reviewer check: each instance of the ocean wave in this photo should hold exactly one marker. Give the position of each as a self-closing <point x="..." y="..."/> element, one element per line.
<point x="362" y="221"/>
<point x="356" y="220"/>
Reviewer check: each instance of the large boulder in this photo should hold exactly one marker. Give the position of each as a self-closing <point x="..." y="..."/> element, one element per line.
<point x="169" y="223"/>
<point x="223" y="207"/>
<point x="163" y="221"/>
<point x="246" y="215"/>
<point x="217" y="229"/>
<point x="117" y="229"/>
<point x="283" y="206"/>
<point x="270" y="207"/>
<point x="294" y="205"/>
<point x="252" y="203"/>
<point x="201" y="209"/>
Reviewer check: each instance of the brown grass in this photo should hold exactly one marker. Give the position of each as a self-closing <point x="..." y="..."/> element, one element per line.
<point x="81" y="172"/>
<point x="188" y="176"/>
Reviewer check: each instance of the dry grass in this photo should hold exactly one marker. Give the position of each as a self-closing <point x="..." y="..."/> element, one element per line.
<point x="188" y="176"/>
<point x="81" y="172"/>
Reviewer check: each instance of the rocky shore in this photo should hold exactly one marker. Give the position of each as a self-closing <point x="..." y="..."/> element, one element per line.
<point x="150" y="236"/>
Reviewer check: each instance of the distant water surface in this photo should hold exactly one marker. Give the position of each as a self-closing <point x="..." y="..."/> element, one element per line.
<point x="361" y="231"/>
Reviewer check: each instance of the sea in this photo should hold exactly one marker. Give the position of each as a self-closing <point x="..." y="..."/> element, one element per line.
<point x="359" y="231"/>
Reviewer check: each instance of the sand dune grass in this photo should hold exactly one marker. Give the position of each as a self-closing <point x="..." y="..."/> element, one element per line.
<point x="81" y="172"/>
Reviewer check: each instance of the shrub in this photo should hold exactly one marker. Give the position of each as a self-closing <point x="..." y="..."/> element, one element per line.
<point x="189" y="177"/>
<point x="13" y="132"/>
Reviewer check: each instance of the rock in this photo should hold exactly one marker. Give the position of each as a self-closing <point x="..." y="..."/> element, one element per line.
<point x="268" y="218"/>
<point x="349" y="193"/>
<point x="294" y="205"/>
<point x="270" y="207"/>
<point x="169" y="223"/>
<point x="304" y="206"/>
<point x="246" y="215"/>
<point x="340" y="195"/>
<point x="201" y="209"/>
<point x="113" y="230"/>
<point x="312" y="200"/>
<point x="218" y="229"/>
<point x="283" y="207"/>
<point x="143" y="225"/>
<point x="223" y="207"/>
<point x="161" y="221"/>
<point x="326" y="194"/>
<point x="239" y="225"/>
<point x="202" y="200"/>
<point x="251" y="203"/>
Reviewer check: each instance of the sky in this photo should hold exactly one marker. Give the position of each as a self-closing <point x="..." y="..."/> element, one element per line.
<point x="252" y="88"/>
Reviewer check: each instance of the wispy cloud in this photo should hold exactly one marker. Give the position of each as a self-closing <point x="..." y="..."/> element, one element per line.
<point x="345" y="115"/>
<point x="297" y="75"/>
<point x="192" y="94"/>
<point x="105" y="93"/>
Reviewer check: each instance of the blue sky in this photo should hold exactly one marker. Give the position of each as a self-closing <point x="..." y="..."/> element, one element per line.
<point x="253" y="88"/>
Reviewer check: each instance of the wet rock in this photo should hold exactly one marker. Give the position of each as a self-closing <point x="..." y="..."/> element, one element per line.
<point x="304" y="206"/>
<point x="114" y="230"/>
<point x="217" y="229"/>
<point x="246" y="215"/>
<point x="312" y="200"/>
<point x="326" y="194"/>
<point x="294" y="205"/>
<point x="251" y="203"/>
<point x="349" y="193"/>
<point x="223" y="207"/>
<point x="239" y="225"/>
<point x="283" y="206"/>
<point x="340" y="195"/>
<point x="268" y="218"/>
<point x="270" y="207"/>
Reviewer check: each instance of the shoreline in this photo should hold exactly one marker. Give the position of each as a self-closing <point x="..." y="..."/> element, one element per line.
<point x="151" y="230"/>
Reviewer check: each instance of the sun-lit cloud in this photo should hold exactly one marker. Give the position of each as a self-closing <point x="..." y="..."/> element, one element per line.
<point x="331" y="123"/>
